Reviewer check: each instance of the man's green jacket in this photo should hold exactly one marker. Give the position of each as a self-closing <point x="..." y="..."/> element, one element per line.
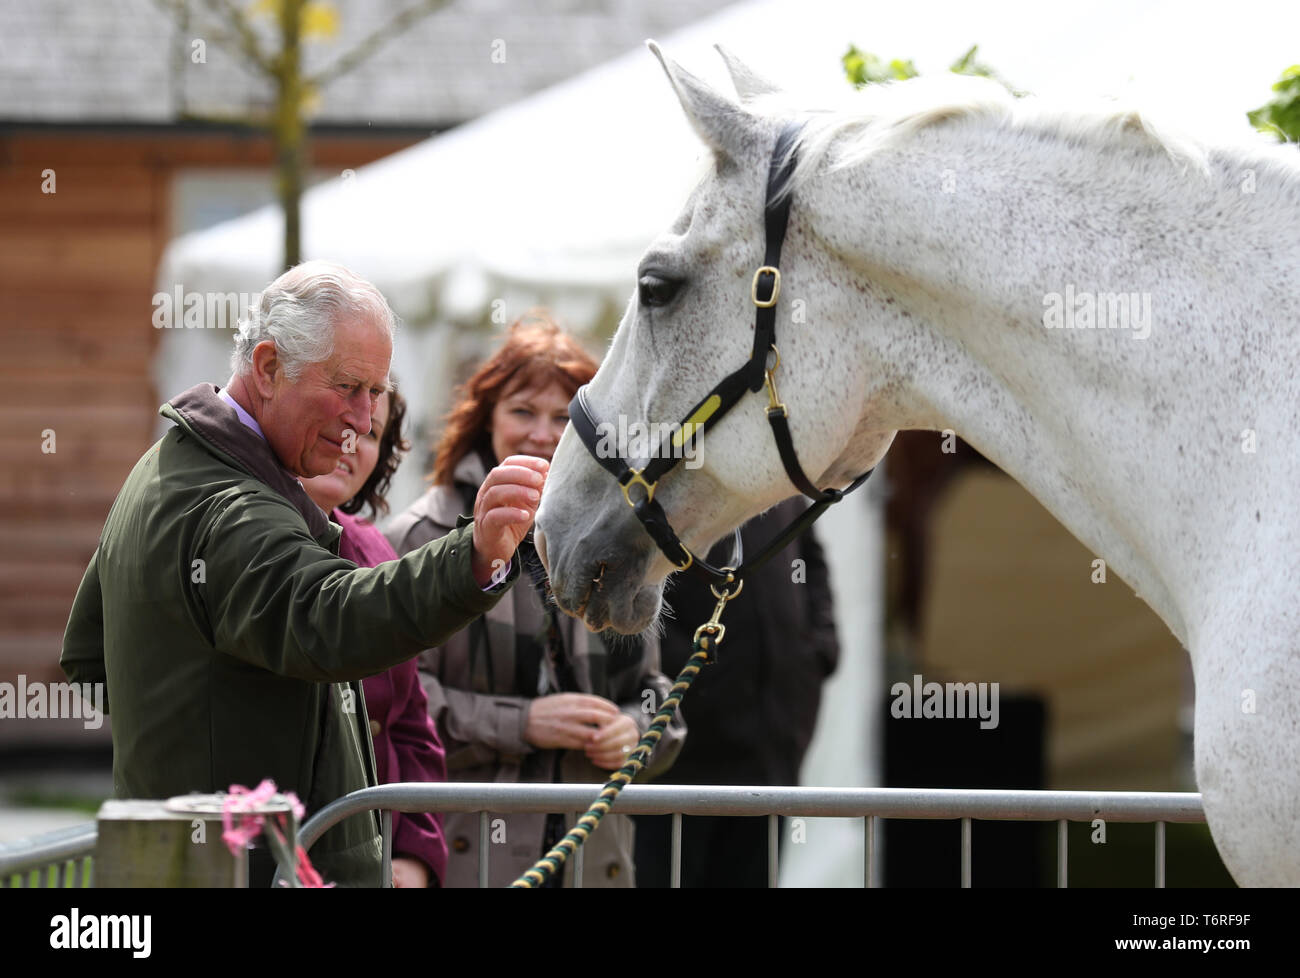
<point x="231" y="637"/>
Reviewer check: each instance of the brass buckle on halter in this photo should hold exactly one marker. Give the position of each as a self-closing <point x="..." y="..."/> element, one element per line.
<point x="637" y="477"/>
<point x="776" y="286"/>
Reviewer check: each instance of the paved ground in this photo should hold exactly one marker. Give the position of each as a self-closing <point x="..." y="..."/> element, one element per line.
<point x="22" y="823"/>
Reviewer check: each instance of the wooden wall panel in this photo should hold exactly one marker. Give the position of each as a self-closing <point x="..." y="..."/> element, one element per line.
<point x="85" y="196"/>
<point x="112" y="259"/>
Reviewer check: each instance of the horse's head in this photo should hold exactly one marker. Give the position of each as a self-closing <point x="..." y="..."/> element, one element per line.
<point x="690" y="323"/>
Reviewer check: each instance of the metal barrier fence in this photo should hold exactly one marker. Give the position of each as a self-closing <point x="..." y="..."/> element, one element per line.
<point x="869" y="804"/>
<point x="63" y="858"/>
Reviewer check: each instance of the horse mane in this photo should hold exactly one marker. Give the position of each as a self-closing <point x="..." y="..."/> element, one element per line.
<point x="883" y="116"/>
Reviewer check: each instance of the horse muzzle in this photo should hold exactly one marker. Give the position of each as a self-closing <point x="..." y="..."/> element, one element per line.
<point x="598" y="575"/>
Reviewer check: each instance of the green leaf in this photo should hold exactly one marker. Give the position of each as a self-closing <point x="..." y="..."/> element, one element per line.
<point x="1280" y="115"/>
<point x="962" y="65"/>
<point x="864" y="68"/>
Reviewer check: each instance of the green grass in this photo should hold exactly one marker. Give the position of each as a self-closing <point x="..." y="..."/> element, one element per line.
<point x="77" y="876"/>
<point x="35" y="798"/>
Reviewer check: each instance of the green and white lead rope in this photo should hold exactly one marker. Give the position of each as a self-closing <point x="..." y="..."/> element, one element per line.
<point x="549" y="864"/>
<point x="707" y="638"/>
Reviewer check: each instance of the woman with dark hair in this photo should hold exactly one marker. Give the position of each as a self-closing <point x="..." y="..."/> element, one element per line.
<point x="525" y="694"/>
<point x="405" y="740"/>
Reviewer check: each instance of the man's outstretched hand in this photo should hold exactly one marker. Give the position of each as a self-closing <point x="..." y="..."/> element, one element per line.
<point x="503" y="513"/>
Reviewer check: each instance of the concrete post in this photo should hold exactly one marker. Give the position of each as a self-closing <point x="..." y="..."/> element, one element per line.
<point x="173" y="843"/>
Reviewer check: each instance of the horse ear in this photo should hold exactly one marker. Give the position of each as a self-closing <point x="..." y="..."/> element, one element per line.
<point x="720" y="122"/>
<point x="749" y="83"/>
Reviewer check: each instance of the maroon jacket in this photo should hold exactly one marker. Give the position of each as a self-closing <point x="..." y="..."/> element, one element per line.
<point x="406" y="743"/>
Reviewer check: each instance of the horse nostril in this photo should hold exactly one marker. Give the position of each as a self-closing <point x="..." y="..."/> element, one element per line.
<point x="600" y="573"/>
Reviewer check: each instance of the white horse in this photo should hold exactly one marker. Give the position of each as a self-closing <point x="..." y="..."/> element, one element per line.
<point x="1102" y="309"/>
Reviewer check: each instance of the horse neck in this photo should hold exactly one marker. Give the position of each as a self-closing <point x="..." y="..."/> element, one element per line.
<point x="966" y="236"/>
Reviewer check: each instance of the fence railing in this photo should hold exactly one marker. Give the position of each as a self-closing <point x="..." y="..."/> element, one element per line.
<point x="869" y="804"/>
<point x="62" y="858"/>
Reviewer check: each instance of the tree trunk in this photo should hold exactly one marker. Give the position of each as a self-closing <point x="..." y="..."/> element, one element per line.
<point x="290" y="129"/>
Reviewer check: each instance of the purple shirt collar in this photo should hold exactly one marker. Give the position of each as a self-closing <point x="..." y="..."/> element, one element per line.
<point x="244" y="416"/>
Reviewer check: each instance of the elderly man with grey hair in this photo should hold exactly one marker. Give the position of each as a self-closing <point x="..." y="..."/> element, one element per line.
<point x="229" y="634"/>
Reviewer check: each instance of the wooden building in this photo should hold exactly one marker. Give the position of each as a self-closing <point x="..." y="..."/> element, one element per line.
<point x="105" y="156"/>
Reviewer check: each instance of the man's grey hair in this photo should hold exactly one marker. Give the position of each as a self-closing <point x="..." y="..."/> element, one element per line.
<point x="298" y="313"/>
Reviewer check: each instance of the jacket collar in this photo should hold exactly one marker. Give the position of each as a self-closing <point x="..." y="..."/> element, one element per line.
<point x="470" y="470"/>
<point x="217" y="426"/>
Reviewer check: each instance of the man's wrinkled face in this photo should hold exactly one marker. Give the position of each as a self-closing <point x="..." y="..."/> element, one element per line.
<point x="311" y="421"/>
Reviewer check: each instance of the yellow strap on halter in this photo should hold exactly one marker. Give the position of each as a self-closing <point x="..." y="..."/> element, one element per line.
<point x="696" y="420"/>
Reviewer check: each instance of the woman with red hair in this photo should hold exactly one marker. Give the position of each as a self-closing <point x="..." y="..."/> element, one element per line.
<point x="524" y="693"/>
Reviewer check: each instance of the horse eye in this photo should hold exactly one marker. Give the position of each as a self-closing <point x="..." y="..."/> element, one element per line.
<point x="655" y="291"/>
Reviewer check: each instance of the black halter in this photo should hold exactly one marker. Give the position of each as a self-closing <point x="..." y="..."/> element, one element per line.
<point x="765" y="290"/>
